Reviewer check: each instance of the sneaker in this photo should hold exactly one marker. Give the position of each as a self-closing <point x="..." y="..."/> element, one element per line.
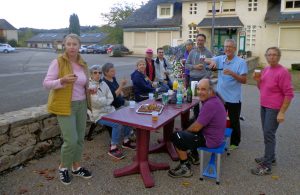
<point x="261" y="160"/>
<point x="82" y="172"/>
<point x="233" y="147"/>
<point x="129" y="145"/>
<point x="116" y="153"/>
<point x="182" y="170"/>
<point x="64" y="176"/>
<point x="193" y="159"/>
<point x="261" y="170"/>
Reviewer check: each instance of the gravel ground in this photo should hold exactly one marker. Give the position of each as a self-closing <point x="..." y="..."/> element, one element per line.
<point x="235" y="177"/>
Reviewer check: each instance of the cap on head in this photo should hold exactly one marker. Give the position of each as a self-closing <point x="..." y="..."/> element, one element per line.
<point x="149" y="50"/>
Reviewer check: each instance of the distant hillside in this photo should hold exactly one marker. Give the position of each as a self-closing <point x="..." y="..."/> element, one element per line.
<point x="26" y="33"/>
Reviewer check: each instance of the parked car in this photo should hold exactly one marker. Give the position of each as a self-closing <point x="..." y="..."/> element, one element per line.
<point x="117" y="50"/>
<point x="95" y="49"/>
<point x="83" y="49"/>
<point x="6" y="48"/>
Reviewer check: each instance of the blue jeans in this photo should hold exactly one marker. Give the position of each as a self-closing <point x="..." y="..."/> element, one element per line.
<point x="269" y="126"/>
<point x="116" y="131"/>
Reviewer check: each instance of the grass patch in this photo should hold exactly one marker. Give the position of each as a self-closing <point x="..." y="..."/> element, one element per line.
<point x="295" y="79"/>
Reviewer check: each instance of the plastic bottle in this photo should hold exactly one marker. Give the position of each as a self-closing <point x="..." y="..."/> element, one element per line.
<point x="179" y="98"/>
<point x="175" y="84"/>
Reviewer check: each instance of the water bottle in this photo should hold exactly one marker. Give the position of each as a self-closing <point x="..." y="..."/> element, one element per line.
<point x="179" y="98"/>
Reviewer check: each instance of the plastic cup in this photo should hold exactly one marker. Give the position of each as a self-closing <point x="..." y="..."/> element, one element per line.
<point x="170" y="92"/>
<point x="257" y="73"/>
<point x="154" y="116"/>
<point x="151" y="96"/>
<point x="131" y="104"/>
<point x="165" y="98"/>
<point x="93" y="87"/>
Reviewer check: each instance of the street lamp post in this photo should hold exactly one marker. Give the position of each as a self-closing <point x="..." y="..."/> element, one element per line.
<point x="213" y="26"/>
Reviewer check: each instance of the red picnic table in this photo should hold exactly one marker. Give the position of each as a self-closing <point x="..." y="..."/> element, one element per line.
<point x="144" y="125"/>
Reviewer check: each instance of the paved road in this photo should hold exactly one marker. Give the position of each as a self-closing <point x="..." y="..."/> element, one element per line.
<point x="235" y="175"/>
<point x="22" y="73"/>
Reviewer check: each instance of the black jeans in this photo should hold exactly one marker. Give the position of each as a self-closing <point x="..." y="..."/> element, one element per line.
<point x="234" y="111"/>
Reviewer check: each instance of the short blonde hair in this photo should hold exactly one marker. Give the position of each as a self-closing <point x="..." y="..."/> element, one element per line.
<point x="140" y="61"/>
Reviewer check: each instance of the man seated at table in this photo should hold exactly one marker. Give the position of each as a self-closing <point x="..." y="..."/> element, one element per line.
<point x="206" y="131"/>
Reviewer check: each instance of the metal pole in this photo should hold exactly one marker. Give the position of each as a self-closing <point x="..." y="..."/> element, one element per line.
<point x="213" y="27"/>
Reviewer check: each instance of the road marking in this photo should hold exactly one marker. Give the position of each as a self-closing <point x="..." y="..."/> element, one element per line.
<point x="22" y="74"/>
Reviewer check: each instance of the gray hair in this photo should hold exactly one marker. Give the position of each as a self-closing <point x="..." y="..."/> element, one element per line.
<point x="72" y="36"/>
<point x="230" y="41"/>
<point x="274" y="48"/>
<point x="189" y="42"/>
<point x="106" y="67"/>
<point x="95" y="67"/>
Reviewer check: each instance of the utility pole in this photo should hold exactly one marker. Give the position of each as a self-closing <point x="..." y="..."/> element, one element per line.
<point x="213" y="27"/>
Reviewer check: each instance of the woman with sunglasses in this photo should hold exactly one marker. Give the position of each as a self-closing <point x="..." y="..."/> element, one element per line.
<point x="102" y="99"/>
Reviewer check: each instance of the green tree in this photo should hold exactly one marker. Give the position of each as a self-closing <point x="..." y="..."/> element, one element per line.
<point x="114" y="18"/>
<point x="24" y="35"/>
<point x="74" y="26"/>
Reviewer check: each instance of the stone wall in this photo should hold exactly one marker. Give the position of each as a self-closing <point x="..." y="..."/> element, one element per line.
<point x="30" y="133"/>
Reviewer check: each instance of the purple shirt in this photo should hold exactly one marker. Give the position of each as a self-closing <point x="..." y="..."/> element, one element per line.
<point x="213" y="118"/>
<point x="275" y="85"/>
<point x="53" y="82"/>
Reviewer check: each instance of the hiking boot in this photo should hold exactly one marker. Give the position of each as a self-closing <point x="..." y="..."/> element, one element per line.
<point x="129" y="145"/>
<point x="116" y="153"/>
<point x="233" y="147"/>
<point x="261" y="170"/>
<point x="64" y="176"/>
<point x="261" y="160"/>
<point x="193" y="159"/>
<point x="82" y="172"/>
<point x="182" y="170"/>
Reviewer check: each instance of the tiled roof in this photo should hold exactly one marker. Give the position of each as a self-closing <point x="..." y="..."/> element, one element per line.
<point x="274" y="15"/>
<point x="4" y="25"/>
<point x="86" y="38"/>
<point x="221" y="22"/>
<point x="47" y="37"/>
<point x="146" y="16"/>
<point x="92" y="37"/>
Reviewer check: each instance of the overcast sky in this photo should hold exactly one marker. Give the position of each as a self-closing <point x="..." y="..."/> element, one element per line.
<point x="50" y="14"/>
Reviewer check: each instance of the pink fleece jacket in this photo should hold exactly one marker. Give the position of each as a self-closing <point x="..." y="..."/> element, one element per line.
<point x="52" y="82"/>
<point x="275" y="85"/>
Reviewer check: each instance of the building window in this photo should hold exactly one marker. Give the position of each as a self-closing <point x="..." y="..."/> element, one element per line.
<point x="193" y="32"/>
<point x="251" y="36"/>
<point x="252" y="5"/>
<point x="193" y="8"/>
<point x="165" y="11"/>
<point x="222" y="7"/>
<point x="292" y="4"/>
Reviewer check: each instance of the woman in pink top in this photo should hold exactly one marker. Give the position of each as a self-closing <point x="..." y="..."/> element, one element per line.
<point x="65" y="72"/>
<point x="276" y="93"/>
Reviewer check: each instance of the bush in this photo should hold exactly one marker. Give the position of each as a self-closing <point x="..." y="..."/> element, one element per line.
<point x="117" y="53"/>
<point x="3" y="39"/>
<point x="13" y="43"/>
<point x="296" y="66"/>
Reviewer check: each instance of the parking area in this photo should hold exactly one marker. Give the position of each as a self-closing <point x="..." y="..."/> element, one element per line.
<point x="22" y="73"/>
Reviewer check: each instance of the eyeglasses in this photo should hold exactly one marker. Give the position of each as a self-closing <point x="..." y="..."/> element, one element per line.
<point x="270" y="55"/>
<point x="161" y="52"/>
<point x="228" y="47"/>
<point x="96" y="72"/>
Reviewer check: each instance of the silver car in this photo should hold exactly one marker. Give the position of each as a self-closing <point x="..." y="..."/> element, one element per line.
<point x="6" y="48"/>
